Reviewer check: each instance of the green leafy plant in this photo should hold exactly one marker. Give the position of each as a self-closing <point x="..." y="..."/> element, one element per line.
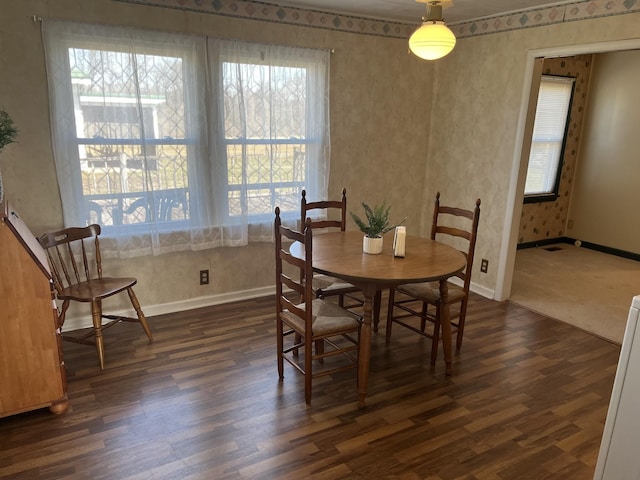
<point x="377" y="220"/>
<point x="8" y="131"/>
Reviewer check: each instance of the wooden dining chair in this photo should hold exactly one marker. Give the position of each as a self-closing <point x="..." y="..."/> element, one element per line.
<point x="332" y="214"/>
<point x="329" y="214"/>
<point x="76" y="265"/>
<point x="306" y="318"/>
<point x="409" y="303"/>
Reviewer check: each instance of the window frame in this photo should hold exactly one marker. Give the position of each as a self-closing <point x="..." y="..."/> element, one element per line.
<point x="552" y="194"/>
<point x="108" y="40"/>
<point x="210" y="223"/>
<point x="255" y="58"/>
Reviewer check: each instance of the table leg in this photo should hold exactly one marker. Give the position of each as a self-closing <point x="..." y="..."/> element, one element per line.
<point x="364" y="352"/>
<point x="377" y="304"/>
<point x="445" y="322"/>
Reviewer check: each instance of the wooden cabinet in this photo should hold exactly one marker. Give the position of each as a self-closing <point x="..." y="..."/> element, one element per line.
<point x="32" y="373"/>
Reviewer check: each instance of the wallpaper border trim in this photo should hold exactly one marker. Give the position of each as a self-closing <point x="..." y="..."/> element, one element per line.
<point x="267" y="12"/>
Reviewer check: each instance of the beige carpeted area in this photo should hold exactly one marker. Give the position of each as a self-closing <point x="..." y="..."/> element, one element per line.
<point x="586" y="288"/>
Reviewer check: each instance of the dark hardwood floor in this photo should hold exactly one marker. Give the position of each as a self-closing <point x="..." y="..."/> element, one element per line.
<point x="527" y="400"/>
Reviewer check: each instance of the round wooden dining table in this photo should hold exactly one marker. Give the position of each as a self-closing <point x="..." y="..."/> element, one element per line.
<point x="340" y="254"/>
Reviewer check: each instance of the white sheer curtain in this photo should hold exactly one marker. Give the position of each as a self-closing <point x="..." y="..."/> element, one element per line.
<point x="175" y="142"/>
<point x="271" y="125"/>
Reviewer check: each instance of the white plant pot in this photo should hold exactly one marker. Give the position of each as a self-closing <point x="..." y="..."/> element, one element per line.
<point x="372" y="246"/>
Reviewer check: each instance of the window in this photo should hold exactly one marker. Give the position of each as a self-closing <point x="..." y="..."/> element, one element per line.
<point x="175" y="142"/>
<point x="273" y="127"/>
<point x="547" y="143"/>
<point x="131" y="135"/>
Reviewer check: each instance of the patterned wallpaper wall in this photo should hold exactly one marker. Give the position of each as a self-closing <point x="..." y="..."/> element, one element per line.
<point x="271" y="12"/>
<point x="547" y="220"/>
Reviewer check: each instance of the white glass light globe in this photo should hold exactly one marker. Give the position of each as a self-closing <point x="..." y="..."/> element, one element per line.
<point x="432" y="40"/>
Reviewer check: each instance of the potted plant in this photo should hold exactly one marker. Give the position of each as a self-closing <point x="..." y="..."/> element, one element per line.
<point x="375" y="227"/>
<point x="7" y="135"/>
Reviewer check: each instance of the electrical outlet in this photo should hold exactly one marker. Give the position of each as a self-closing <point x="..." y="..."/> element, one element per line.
<point x="204" y="277"/>
<point x="484" y="265"/>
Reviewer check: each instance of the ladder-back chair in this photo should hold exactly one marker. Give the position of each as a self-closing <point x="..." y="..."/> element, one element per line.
<point x="306" y="318"/>
<point x="326" y="285"/>
<point x="409" y="304"/>
<point x="76" y="265"/>
<point x="332" y="214"/>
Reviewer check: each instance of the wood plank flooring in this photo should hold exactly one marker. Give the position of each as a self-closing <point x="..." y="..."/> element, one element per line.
<point x="527" y="400"/>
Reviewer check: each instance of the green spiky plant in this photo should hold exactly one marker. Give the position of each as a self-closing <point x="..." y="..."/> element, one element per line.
<point x="377" y="220"/>
<point x="8" y="134"/>
<point x="8" y="131"/>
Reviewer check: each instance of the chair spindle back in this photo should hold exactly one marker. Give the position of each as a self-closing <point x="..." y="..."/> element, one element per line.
<point x="70" y="258"/>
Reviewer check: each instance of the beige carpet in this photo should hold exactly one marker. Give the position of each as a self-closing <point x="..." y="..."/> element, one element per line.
<point x="589" y="289"/>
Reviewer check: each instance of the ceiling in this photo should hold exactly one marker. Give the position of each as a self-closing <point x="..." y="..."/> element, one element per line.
<point x="410" y="11"/>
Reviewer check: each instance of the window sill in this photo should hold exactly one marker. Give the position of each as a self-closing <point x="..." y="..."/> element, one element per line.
<point x="539" y="198"/>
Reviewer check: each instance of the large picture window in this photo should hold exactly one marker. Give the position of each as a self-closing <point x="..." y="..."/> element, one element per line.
<point x="274" y="125"/>
<point x="175" y="142"/>
<point x="131" y="133"/>
<point x="547" y="143"/>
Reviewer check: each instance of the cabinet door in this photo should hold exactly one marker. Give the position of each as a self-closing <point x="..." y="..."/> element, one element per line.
<point x="31" y="373"/>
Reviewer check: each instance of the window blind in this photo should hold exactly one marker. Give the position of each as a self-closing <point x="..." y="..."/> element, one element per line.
<point x="554" y="100"/>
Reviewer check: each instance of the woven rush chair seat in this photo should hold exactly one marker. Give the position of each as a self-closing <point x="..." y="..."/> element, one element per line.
<point x="327" y="318"/>
<point x="306" y="323"/>
<point x="430" y="292"/>
<point x="325" y="285"/>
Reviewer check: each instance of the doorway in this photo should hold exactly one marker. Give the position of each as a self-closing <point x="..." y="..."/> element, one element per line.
<point x="522" y="145"/>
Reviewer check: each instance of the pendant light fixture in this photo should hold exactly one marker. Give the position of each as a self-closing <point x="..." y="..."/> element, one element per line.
<point x="433" y="39"/>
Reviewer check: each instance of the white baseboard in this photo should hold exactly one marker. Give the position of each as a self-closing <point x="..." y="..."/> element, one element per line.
<point x="76" y="323"/>
<point x="483" y="291"/>
<point x="475" y="288"/>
